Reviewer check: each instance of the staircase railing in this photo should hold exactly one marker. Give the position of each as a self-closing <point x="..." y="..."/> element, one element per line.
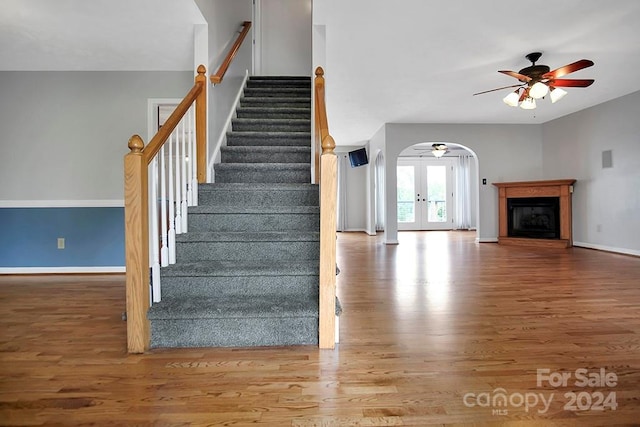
<point x="326" y="176"/>
<point x="164" y="172"/>
<point x="219" y="75"/>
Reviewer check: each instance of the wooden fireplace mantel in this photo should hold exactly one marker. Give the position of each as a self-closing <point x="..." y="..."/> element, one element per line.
<point x="561" y="188"/>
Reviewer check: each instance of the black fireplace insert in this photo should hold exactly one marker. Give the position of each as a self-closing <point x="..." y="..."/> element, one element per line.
<point x="534" y="217"/>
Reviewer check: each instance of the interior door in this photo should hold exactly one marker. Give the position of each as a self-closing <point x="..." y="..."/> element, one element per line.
<point x="425" y="194"/>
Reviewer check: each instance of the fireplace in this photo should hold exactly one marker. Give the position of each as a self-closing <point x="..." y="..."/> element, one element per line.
<point x="534" y="217"/>
<point x="535" y="213"/>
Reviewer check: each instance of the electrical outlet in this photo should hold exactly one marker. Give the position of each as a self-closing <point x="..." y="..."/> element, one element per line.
<point x="60" y="242"/>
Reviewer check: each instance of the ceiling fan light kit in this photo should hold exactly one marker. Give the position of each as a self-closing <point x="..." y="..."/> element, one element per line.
<point x="538" y="90"/>
<point x="557" y="94"/>
<point x="528" y="103"/>
<point x="439" y="150"/>
<point x="537" y="81"/>
<point x="512" y="99"/>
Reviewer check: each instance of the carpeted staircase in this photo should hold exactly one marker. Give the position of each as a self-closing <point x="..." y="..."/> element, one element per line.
<point x="247" y="270"/>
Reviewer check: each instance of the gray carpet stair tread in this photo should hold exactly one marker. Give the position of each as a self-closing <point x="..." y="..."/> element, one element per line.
<point x="272" y="134"/>
<point x="211" y="268"/>
<point x="276" y="99"/>
<point x="240" y="236"/>
<point x="281" y="110"/>
<point x="215" y="209"/>
<point x="272" y="121"/>
<point x="248" y="186"/>
<point x="264" y="306"/>
<point x="264" y="166"/>
<point x="280" y="77"/>
<point x="266" y="90"/>
<point x="267" y="149"/>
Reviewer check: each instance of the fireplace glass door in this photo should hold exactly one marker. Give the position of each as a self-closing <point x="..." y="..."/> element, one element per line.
<point x="425" y="198"/>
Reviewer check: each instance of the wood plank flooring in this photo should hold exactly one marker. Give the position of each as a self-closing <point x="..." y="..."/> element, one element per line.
<point x="434" y="331"/>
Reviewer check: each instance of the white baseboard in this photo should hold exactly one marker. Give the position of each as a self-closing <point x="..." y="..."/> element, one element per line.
<point x="60" y="270"/>
<point x="607" y="248"/>
<point x="61" y="203"/>
<point x="486" y="240"/>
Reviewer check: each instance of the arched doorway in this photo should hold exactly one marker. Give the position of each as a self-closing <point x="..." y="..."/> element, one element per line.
<point x="437" y="193"/>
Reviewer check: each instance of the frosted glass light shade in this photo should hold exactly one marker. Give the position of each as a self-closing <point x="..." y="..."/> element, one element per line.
<point x="438" y="153"/>
<point x="528" y="104"/>
<point x="557" y="94"/>
<point x="512" y="99"/>
<point x="538" y="90"/>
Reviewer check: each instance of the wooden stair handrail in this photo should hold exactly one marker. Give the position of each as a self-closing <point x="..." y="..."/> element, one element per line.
<point x="197" y="94"/>
<point x="327" y="177"/>
<point x="136" y="212"/>
<point x="219" y="75"/>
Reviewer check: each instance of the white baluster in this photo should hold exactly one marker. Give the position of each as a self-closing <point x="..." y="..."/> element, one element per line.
<point x="194" y="157"/>
<point x="189" y="159"/>
<point x="164" y="250"/>
<point x="154" y="252"/>
<point x="183" y="177"/>
<point x="172" y="229"/>
<point x="178" y="187"/>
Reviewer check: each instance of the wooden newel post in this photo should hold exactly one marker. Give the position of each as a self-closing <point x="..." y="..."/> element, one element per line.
<point x="328" y="203"/>
<point x="201" y="126"/>
<point x="136" y="246"/>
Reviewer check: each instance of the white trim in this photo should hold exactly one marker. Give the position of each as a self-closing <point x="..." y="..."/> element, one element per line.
<point x="486" y="240"/>
<point x="607" y="248"/>
<point x="60" y="270"/>
<point x="61" y="203"/>
<point x="256" y="38"/>
<point x="227" y="127"/>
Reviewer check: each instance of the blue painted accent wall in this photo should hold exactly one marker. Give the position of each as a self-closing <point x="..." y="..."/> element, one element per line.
<point x="94" y="237"/>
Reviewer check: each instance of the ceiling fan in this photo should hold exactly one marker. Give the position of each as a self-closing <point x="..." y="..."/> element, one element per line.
<point x="438" y="149"/>
<point x="536" y="81"/>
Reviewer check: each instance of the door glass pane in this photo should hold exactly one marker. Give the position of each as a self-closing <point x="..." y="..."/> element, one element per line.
<point x="436" y="193"/>
<point x="406" y="194"/>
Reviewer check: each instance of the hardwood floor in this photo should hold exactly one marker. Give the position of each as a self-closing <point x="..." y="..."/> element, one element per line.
<point x="432" y="331"/>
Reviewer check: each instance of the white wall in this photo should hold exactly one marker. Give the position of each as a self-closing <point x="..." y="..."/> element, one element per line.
<point x="285" y="37"/>
<point x="224" y="19"/>
<point x="473" y="183"/>
<point x="356" y="190"/>
<point x="64" y="134"/>
<point x="375" y="146"/>
<point x="504" y="153"/>
<point x="606" y="201"/>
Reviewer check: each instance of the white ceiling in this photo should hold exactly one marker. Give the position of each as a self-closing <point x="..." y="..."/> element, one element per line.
<point x="386" y="61"/>
<point x="106" y="35"/>
<point x="420" y="61"/>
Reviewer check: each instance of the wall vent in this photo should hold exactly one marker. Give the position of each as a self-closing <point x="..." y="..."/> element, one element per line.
<point x="607" y="159"/>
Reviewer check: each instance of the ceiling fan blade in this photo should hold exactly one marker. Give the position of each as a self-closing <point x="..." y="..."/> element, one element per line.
<point x="518" y="76"/>
<point x="571" y="82"/>
<point x="569" y="68"/>
<point x="493" y="90"/>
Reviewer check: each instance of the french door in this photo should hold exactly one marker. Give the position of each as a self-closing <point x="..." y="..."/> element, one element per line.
<point x="425" y="194"/>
